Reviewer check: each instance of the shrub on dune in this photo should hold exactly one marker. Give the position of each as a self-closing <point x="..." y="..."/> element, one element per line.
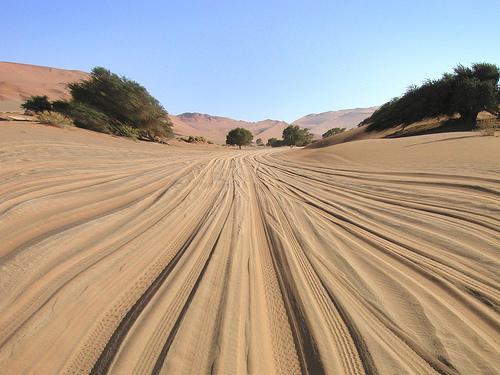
<point x="37" y="104"/>
<point x="466" y="91"/>
<point x="274" y="142"/>
<point x="333" y="131"/>
<point x="110" y="103"/>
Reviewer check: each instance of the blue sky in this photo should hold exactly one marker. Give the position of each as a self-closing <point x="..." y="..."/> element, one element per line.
<point x="257" y="59"/>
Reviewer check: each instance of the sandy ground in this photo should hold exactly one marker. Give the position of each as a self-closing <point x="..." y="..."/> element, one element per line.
<point x="376" y="257"/>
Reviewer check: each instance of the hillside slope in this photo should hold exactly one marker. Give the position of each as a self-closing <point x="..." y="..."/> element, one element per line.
<point x="20" y="81"/>
<point x="443" y="124"/>
<point x="319" y="123"/>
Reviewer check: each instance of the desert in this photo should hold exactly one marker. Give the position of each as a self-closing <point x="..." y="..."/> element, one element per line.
<point x="250" y="188"/>
<point x="355" y="258"/>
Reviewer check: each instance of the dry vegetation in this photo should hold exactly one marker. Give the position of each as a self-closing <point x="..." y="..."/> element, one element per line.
<point x="54" y="119"/>
<point x="488" y="127"/>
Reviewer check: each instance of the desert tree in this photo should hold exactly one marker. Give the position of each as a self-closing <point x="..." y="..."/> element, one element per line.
<point x="466" y="91"/>
<point x="239" y="137"/>
<point x="111" y="103"/>
<point x="259" y="142"/>
<point x="294" y="135"/>
<point x="476" y="90"/>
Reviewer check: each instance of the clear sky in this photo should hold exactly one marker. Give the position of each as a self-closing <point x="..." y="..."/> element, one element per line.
<point x="256" y="59"/>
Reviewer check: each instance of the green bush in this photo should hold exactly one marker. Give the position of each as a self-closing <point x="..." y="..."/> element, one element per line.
<point x="274" y="142"/>
<point x="89" y="118"/>
<point x="124" y="101"/>
<point x="112" y="104"/>
<point x="332" y="131"/>
<point x="37" y="103"/>
<point x="61" y="106"/>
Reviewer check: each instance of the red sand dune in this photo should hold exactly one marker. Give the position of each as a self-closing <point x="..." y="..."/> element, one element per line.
<point x="20" y="81"/>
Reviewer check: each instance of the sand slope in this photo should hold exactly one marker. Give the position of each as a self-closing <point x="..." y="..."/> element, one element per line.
<point x="319" y="123"/>
<point x="20" y="81"/>
<point x="376" y="257"/>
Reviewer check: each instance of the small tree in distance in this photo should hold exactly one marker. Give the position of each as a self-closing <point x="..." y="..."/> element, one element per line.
<point x="239" y="137"/>
<point x="293" y="135"/>
<point x="259" y="142"/>
<point x="37" y="103"/>
<point x="274" y="142"/>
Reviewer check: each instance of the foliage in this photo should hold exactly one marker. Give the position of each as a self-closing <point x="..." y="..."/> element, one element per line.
<point x="293" y="135"/>
<point x="126" y="131"/>
<point x="37" y="103"/>
<point x="61" y="106"/>
<point x="109" y="103"/>
<point x="195" y="139"/>
<point x="54" y="119"/>
<point x="333" y="131"/>
<point x="239" y="136"/>
<point x="87" y="117"/>
<point x="270" y="141"/>
<point x="259" y="142"/>
<point x="274" y="142"/>
<point x="466" y="91"/>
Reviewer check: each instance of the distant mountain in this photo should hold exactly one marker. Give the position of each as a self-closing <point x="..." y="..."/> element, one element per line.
<point x="319" y="123"/>
<point x="215" y="128"/>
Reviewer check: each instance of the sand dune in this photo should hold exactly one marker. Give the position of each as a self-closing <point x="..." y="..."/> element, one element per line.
<point x="20" y="81"/>
<point x="319" y="123"/>
<point x="372" y="257"/>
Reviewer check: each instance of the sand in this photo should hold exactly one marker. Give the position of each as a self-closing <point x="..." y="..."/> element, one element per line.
<point x="319" y="123"/>
<point x="20" y="81"/>
<point x="123" y="257"/>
